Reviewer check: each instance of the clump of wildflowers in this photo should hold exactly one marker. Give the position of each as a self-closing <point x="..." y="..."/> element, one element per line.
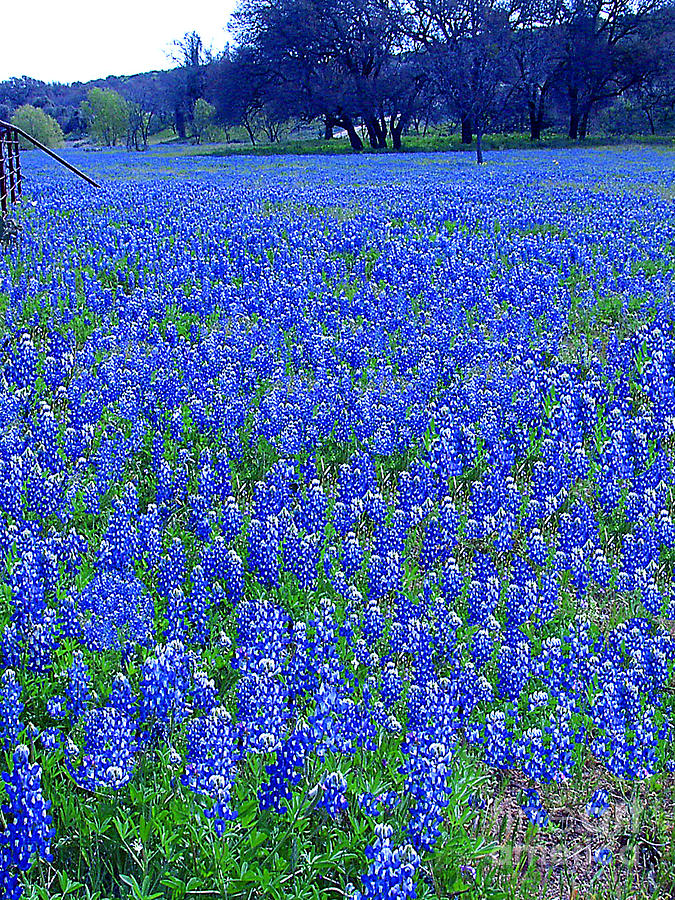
<point x="27" y="833"/>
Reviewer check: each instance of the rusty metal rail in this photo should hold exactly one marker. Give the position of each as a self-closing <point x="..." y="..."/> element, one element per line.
<point x="10" y="167"/>
<point x="10" y="164"/>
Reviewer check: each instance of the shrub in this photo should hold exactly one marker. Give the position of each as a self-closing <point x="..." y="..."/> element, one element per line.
<point x="38" y="124"/>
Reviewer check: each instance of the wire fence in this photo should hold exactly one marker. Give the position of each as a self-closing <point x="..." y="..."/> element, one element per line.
<point x="10" y="167"/>
<point x="10" y="164"/>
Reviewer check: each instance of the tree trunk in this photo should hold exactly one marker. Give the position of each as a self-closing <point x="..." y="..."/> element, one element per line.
<point x="583" y="124"/>
<point x="354" y="139"/>
<point x="574" y="115"/>
<point x="536" y="119"/>
<point x="383" y="129"/>
<point x="650" y="119"/>
<point x="533" y="121"/>
<point x="467" y="130"/>
<point x="541" y="106"/>
<point x="396" y="132"/>
<point x="375" y="136"/>
<point x="479" y="147"/>
<point x="180" y="123"/>
<point x="248" y="128"/>
<point x="328" y="129"/>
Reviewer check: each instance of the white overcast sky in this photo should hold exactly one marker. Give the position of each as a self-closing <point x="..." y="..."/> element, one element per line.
<point x="77" y="40"/>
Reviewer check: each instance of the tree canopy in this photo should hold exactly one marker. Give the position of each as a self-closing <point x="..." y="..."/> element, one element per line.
<point x="38" y="124"/>
<point x="375" y="69"/>
<point x="107" y="115"/>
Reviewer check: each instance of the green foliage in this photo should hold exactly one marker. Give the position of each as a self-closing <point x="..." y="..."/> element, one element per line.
<point x="203" y="121"/>
<point x="106" y="114"/>
<point x="432" y="142"/>
<point x="38" y="124"/>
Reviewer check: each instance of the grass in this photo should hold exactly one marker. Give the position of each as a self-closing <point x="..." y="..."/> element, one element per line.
<point x="429" y="143"/>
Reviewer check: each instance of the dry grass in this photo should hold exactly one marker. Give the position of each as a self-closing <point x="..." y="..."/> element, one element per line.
<point x="557" y="862"/>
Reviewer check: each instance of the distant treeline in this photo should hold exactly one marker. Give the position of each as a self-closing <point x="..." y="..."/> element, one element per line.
<point x="375" y="69"/>
<point x="162" y="93"/>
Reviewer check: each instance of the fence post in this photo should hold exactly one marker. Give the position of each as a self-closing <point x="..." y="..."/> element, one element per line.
<point x="17" y="164"/>
<point x="19" y="132"/>
<point x="11" y="181"/>
<point x="3" y="177"/>
<point x="9" y="143"/>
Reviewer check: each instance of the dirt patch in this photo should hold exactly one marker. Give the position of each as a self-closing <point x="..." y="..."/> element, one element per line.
<point x="564" y="859"/>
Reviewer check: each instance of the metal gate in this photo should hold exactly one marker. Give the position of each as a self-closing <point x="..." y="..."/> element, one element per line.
<point x="10" y="164"/>
<point x="10" y="167"/>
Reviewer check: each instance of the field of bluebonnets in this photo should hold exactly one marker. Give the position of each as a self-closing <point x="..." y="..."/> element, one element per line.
<point x="337" y="527"/>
